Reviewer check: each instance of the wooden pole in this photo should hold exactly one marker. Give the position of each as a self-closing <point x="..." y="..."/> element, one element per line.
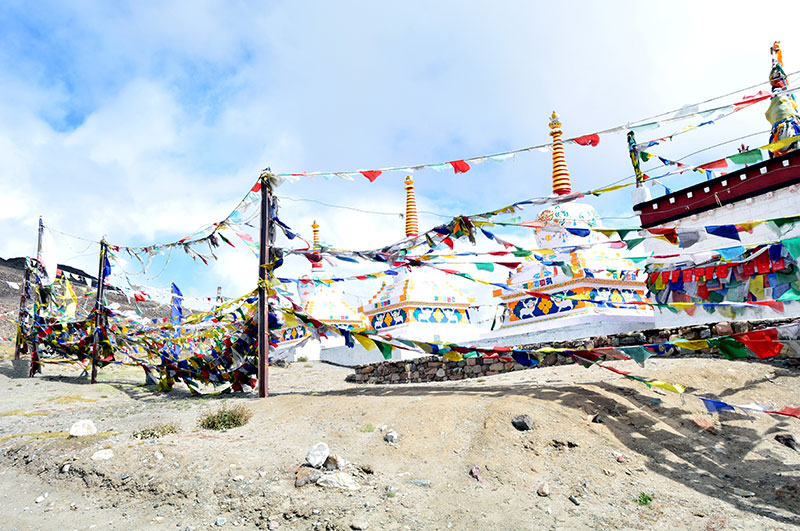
<point x="98" y="306"/>
<point x="263" y="303"/>
<point x="21" y="318"/>
<point x="35" y="365"/>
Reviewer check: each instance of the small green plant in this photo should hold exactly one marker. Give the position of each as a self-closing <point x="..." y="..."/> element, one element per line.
<point x="156" y="430"/>
<point x="226" y="417"/>
<point x="644" y="499"/>
<point x="302" y="359"/>
<point x="367" y="428"/>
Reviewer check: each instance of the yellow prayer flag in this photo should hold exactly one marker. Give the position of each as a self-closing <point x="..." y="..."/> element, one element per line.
<point x="675" y="388"/>
<point x="366" y="342"/>
<point x="610" y="188"/>
<point x="691" y="345"/>
<point x="70" y="298"/>
<point x="780" y="144"/>
<point x="453" y="355"/>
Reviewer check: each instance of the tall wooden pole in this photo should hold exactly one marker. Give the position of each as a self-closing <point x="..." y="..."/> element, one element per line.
<point x="21" y="317"/>
<point x="98" y="307"/>
<point x="263" y="303"/>
<point x="35" y="365"/>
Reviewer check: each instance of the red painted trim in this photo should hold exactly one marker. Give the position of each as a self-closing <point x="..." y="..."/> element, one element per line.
<point x="722" y="190"/>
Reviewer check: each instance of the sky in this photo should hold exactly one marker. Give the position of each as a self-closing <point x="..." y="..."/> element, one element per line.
<point x="143" y="121"/>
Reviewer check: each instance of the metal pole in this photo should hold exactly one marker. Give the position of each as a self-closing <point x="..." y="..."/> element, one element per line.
<point x="35" y="365"/>
<point x="263" y="304"/>
<point x="21" y="318"/>
<point x="98" y="305"/>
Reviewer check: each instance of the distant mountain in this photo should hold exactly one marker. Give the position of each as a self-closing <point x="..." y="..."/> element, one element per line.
<point x="19" y="263"/>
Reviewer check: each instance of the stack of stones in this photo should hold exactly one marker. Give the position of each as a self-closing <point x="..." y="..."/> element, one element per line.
<point x="437" y="369"/>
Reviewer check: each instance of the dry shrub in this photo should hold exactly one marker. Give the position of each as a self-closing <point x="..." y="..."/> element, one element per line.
<point x="226" y="417"/>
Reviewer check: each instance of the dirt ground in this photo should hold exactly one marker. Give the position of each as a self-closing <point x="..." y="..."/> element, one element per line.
<point x="195" y="478"/>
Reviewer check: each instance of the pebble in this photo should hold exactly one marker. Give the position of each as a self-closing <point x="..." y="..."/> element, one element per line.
<point x="574" y="500"/>
<point x="421" y="482"/>
<point x="238" y="478"/>
<point x="334" y="462"/>
<point x="318" y="454"/>
<point x="523" y="422"/>
<point x="220" y="521"/>
<point x="103" y="455"/>
<point x="338" y="480"/>
<point x="704" y="425"/>
<point x="158" y="455"/>
<point x="306" y="475"/>
<point x="82" y="428"/>
<point x="743" y="493"/>
<point x="391" y="437"/>
<point x="475" y="472"/>
<point x="65" y="468"/>
<point x="358" y="524"/>
<point x="41" y="498"/>
<point x="543" y="490"/>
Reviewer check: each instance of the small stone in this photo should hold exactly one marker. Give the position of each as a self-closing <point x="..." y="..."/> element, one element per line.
<point x="338" y="480"/>
<point x="543" y="490"/>
<point x="704" y="425"/>
<point x="475" y="472"/>
<point x="723" y="328"/>
<point x="220" y="521"/>
<point x="237" y="478"/>
<point x="82" y="428"/>
<point x="787" y="440"/>
<point x="421" y="482"/>
<point x="595" y="418"/>
<point x="273" y="524"/>
<point x="103" y="455"/>
<point x="65" y="468"/>
<point x="41" y="498"/>
<point x="440" y="373"/>
<point x="391" y="437"/>
<point x="334" y="462"/>
<point x="358" y="525"/>
<point x="318" y="454"/>
<point x="522" y="422"/>
<point x="158" y="455"/>
<point x="574" y="500"/>
<point x="608" y="472"/>
<point x="743" y="493"/>
<point x="306" y="475"/>
<point x="621" y="459"/>
<point x="367" y="469"/>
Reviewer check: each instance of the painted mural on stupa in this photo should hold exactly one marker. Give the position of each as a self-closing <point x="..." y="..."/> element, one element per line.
<point x="419" y="302"/>
<point x="595" y="273"/>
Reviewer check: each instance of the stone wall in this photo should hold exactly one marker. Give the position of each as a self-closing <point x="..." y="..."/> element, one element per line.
<point x="437" y="369"/>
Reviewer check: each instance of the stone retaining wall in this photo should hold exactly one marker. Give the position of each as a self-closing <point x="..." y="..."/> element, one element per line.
<point x="437" y="369"/>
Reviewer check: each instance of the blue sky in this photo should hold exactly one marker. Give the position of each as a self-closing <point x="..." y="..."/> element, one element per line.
<point x="142" y="120"/>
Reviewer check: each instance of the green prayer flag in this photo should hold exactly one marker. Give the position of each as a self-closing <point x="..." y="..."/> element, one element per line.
<point x="638" y="353"/>
<point x="792" y="294"/>
<point x="730" y="348"/>
<point x="624" y="232"/>
<point x="793" y="246"/>
<point x="385" y="348"/>
<point x="485" y="266"/>
<point x="521" y="252"/>
<point x="754" y="155"/>
<point x="633" y="243"/>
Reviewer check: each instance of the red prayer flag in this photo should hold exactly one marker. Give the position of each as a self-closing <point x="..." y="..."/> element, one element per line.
<point x="510" y="265"/>
<point x="788" y="411"/>
<point x="256" y="187"/>
<point x="138" y="296"/>
<point x="763" y="343"/>
<point x="371" y="175"/>
<point x="721" y="163"/>
<point x="459" y="166"/>
<point x="448" y="242"/>
<point x="687" y="275"/>
<point x="587" y="140"/>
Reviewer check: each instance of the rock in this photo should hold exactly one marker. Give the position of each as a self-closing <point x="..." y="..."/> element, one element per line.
<point x="421" y="482"/>
<point x="41" y="498"/>
<point x="367" y="469"/>
<point x="273" y="524"/>
<point x="158" y="455"/>
<point x="103" y="455"/>
<point x="543" y="490"/>
<point x="237" y="478"/>
<point x="574" y="500"/>
<point x="220" y="521"/>
<point x="476" y="473"/>
<point x="743" y="493"/>
<point x="306" y="475"/>
<point x="723" y="328"/>
<point x="704" y="425"/>
<point x="391" y="437"/>
<point x="318" y="454"/>
<point x="65" y="468"/>
<point x="82" y="428"/>
<point x="595" y="418"/>
<point x="334" y="462"/>
<point x="787" y="440"/>
<point x="440" y="373"/>
<point x="338" y="480"/>
<point x="358" y="525"/>
<point x="621" y="459"/>
<point x="522" y="422"/>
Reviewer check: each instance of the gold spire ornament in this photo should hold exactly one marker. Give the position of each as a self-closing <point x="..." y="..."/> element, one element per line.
<point x="561" y="182"/>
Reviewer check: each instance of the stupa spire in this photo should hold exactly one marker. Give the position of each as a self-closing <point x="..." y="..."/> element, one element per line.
<point x="316" y="266"/>
<point x="412" y="224"/>
<point x="561" y="182"/>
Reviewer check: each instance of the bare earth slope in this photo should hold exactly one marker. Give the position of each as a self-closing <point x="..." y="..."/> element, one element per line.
<point x="245" y="476"/>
